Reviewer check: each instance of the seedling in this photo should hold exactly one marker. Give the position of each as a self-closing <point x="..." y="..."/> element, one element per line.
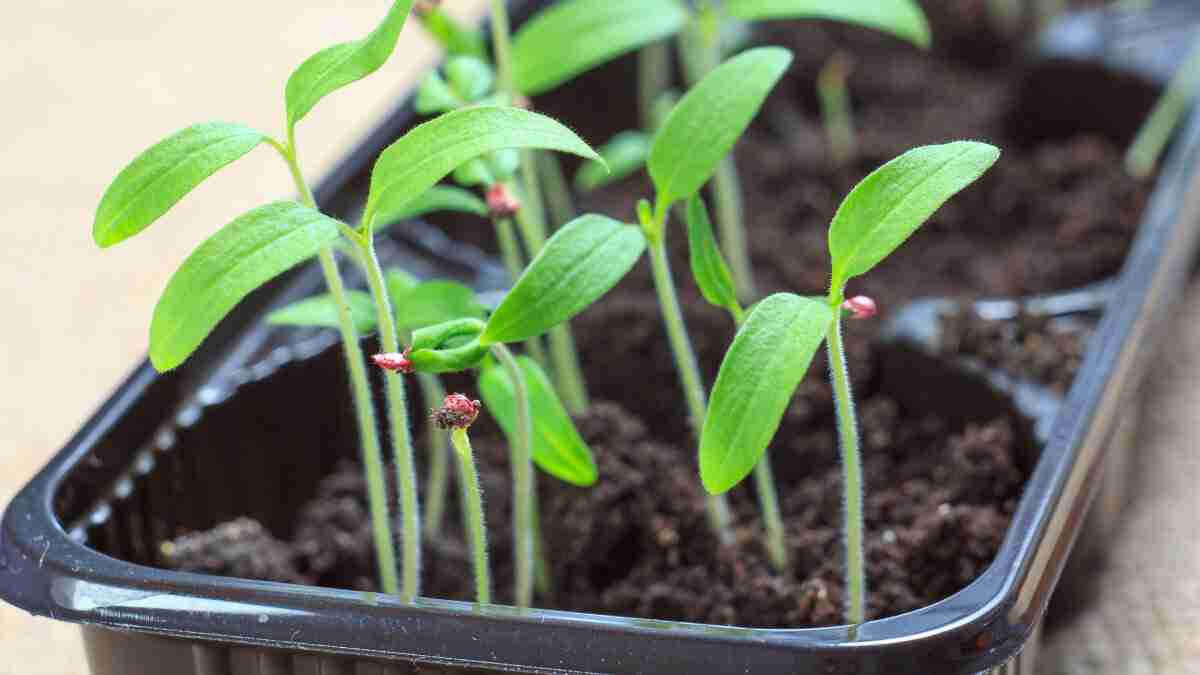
<point x="778" y="340"/>
<point x="578" y="265"/>
<point x="701" y="48"/>
<point x="456" y="415"/>
<point x="836" y="112"/>
<point x="271" y="239"/>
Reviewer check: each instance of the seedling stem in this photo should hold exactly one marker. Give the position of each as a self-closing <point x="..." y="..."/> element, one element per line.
<point x="685" y="356"/>
<point x="364" y="408"/>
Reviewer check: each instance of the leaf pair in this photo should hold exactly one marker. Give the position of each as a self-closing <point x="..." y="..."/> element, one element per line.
<point x="776" y="345"/>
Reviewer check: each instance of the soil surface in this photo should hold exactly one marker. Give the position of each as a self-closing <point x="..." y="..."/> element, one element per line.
<point x="1045" y="350"/>
<point x="940" y="491"/>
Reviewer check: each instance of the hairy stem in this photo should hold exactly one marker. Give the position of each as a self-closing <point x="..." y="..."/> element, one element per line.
<point x="558" y="194"/>
<point x="700" y="52"/>
<point x="514" y="263"/>
<point x="689" y="370"/>
<point x="564" y="357"/>
<point x="856" y="574"/>
<point x="406" y="474"/>
<point x="473" y="500"/>
<point x="522" y="479"/>
<point x="1156" y="132"/>
<point x="531" y="220"/>
<point x="438" y="442"/>
<point x="360" y="389"/>
<point x="654" y="77"/>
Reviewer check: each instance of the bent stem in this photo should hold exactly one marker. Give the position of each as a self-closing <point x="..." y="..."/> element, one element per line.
<point x="685" y="361"/>
<point x="654" y="77"/>
<point x="406" y="473"/>
<point x="700" y="52"/>
<point x="438" y="442"/>
<point x="531" y="219"/>
<point x="514" y="263"/>
<point x="856" y="575"/>
<point x="472" y="499"/>
<point x="522" y="480"/>
<point x="360" y="389"/>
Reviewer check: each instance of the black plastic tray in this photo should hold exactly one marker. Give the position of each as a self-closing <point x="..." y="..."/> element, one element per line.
<point x="146" y="620"/>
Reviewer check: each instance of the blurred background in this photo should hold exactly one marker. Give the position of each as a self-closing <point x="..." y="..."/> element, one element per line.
<point x="88" y="85"/>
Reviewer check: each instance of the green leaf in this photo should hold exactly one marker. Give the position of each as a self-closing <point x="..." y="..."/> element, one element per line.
<point x="452" y="36"/>
<point x="708" y="267"/>
<point x="625" y="154"/>
<point x="758" y="376"/>
<point x="248" y="252"/>
<point x="578" y="265"/>
<point x="335" y="67"/>
<point x="902" y="18"/>
<point x="435" y="199"/>
<point x="882" y="211"/>
<point x="469" y="77"/>
<point x="162" y="175"/>
<point x="710" y="118"/>
<point x="322" y="312"/>
<point x="434" y="302"/>
<point x="557" y="446"/>
<point x="572" y="37"/>
<point x="425" y="155"/>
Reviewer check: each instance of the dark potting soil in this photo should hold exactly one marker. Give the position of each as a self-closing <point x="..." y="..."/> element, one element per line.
<point x="1054" y="213"/>
<point x="1045" y="350"/>
<point x="939" y="495"/>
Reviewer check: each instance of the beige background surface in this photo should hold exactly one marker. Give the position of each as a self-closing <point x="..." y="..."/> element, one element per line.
<point x="86" y="85"/>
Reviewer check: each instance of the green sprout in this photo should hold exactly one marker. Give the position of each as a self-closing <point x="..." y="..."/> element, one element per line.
<point x="456" y="415"/>
<point x="778" y="340"/>
<point x="577" y="266"/>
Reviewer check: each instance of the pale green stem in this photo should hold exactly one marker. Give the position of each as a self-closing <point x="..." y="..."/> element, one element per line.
<point x="522" y="480"/>
<point x="700" y="52"/>
<point x="1154" y="135"/>
<point x="531" y="220"/>
<point x="852" y="485"/>
<point x="654" y="77"/>
<point x="510" y="254"/>
<point x="473" y="499"/>
<point x="438" y="441"/>
<point x="558" y="195"/>
<point x="406" y="474"/>
<point x="567" y="373"/>
<point x="689" y="369"/>
<point x="836" y="110"/>
<point x="360" y="389"/>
